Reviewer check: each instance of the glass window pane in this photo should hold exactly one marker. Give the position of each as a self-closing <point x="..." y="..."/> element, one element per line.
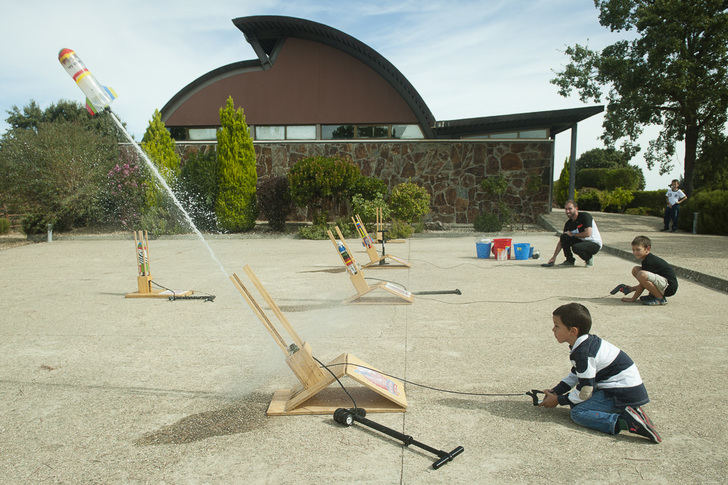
<point x="202" y="133"/>
<point x="270" y="132"/>
<point x="534" y="134"/>
<point x="337" y="132"/>
<point x="504" y="135"/>
<point x="406" y="131"/>
<point x="301" y="132"/>
<point x="372" y="131"/>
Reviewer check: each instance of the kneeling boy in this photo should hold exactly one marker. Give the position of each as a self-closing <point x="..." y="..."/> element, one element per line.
<point x="655" y="275"/>
<point x="604" y="389"/>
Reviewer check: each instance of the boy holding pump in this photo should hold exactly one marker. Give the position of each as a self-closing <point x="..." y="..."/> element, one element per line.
<point x="654" y="275"/>
<point x="604" y="388"/>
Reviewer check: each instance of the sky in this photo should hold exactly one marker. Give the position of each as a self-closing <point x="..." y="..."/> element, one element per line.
<point x="465" y="58"/>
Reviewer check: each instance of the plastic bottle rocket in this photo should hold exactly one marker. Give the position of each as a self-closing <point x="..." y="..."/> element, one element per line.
<point x="142" y="260"/>
<point x="350" y="266"/>
<point x="98" y="97"/>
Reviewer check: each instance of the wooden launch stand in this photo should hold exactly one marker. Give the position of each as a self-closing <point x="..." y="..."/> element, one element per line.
<point x="356" y="275"/>
<point x="379" y="228"/>
<point x="379" y="394"/>
<point x="375" y="260"/>
<point x="144" y="278"/>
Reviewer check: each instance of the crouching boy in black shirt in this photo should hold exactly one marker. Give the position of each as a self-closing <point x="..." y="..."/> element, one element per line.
<point x="655" y="275"/>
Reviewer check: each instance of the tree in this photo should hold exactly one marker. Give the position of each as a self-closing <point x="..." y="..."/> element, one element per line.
<point x="236" y="171"/>
<point x="159" y="147"/>
<point x="673" y="74"/>
<point x="606" y="159"/>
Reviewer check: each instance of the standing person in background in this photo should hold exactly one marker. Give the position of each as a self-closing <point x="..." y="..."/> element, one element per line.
<point x="674" y="197"/>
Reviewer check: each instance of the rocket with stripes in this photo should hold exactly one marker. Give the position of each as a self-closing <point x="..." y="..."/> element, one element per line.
<point x="98" y="97"/>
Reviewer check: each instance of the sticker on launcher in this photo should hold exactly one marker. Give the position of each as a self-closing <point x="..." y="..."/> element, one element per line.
<point x="379" y="380"/>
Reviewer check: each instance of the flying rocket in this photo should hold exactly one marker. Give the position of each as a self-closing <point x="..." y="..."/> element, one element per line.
<point x="98" y="97"/>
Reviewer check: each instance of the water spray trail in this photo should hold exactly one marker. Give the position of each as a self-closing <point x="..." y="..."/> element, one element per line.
<point x="163" y="182"/>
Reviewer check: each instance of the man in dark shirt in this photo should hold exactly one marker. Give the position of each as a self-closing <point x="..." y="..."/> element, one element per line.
<point x="580" y="236"/>
<point x="654" y="275"/>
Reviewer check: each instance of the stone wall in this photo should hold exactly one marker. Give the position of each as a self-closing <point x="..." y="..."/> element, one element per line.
<point x="451" y="170"/>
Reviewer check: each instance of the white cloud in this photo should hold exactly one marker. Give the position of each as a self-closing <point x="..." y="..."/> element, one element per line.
<point x="466" y="58"/>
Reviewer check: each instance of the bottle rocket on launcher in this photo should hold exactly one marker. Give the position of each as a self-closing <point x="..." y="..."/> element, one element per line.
<point x="98" y="97"/>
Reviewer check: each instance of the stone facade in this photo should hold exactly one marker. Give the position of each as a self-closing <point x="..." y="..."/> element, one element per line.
<point x="451" y="170"/>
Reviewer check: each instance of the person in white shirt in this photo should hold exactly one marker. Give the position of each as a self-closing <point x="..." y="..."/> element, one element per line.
<point x="674" y="197"/>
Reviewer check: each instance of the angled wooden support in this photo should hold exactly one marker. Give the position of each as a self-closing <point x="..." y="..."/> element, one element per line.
<point x="356" y="275"/>
<point x="144" y="272"/>
<point x="375" y="260"/>
<point x="312" y="395"/>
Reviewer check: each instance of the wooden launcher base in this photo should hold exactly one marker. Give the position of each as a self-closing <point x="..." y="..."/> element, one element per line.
<point x="377" y="393"/>
<point x="145" y="290"/>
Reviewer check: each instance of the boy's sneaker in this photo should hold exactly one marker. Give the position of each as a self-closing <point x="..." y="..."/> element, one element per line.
<point x="639" y="423"/>
<point x="590" y="262"/>
<point x="567" y="263"/>
<point x="655" y="301"/>
<point x="620" y="287"/>
<point x="645" y="298"/>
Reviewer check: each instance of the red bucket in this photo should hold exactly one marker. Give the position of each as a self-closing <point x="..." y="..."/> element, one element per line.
<point x="499" y="243"/>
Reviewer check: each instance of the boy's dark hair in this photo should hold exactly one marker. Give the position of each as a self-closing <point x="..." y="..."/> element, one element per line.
<point x="675" y="180"/>
<point x="643" y="241"/>
<point x="575" y="315"/>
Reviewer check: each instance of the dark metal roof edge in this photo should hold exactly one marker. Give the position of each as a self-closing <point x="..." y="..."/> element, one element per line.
<point x="271" y="26"/>
<point x="203" y="80"/>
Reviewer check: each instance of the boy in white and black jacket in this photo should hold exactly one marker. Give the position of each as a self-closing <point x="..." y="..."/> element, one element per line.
<point x="604" y="387"/>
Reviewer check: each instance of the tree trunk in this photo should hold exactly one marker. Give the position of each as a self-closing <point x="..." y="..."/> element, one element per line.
<point x="691" y="148"/>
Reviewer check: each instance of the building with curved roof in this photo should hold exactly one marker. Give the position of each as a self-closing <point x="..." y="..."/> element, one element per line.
<point x="314" y="90"/>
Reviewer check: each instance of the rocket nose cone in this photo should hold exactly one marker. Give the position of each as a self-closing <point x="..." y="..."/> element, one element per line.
<point x="64" y="52"/>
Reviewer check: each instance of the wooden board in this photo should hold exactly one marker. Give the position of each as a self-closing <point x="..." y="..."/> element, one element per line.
<point x="159" y="294"/>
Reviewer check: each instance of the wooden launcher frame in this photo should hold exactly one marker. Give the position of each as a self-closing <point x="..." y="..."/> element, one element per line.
<point x="356" y="275"/>
<point x="375" y="260"/>
<point x="144" y="277"/>
<point x="379" y="394"/>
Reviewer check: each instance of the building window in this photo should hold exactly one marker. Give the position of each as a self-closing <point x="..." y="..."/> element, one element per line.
<point x="337" y="132"/>
<point x="407" y="132"/>
<point x="199" y="134"/>
<point x="372" y="131"/>
<point x="301" y="132"/>
<point x="270" y="132"/>
<point x="534" y="134"/>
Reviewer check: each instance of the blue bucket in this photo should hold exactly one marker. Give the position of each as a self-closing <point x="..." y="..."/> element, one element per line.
<point x="482" y="249"/>
<point x="522" y="250"/>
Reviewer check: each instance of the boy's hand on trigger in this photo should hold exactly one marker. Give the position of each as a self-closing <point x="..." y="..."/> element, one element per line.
<point x="550" y="401"/>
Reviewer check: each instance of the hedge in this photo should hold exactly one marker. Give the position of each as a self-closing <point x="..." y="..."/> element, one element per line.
<point x="712" y="215"/>
<point x="607" y="178"/>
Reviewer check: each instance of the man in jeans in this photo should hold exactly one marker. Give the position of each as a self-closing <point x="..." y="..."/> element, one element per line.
<point x="674" y="197"/>
<point x="580" y="236"/>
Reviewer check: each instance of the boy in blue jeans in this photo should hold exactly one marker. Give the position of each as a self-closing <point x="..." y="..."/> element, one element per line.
<point x="604" y="388"/>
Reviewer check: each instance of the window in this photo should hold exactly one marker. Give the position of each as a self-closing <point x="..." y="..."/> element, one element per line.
<point x="301" y="132"/>
<point x="196" y="134"/>
<point x="406" y="132"/>
<point x="372" y="131"/>
<point x="337" y="132"/>
<point x="533" y="134"/>
<point x="270" y="132"/>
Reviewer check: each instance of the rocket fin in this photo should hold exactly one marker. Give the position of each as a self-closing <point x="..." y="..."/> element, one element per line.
<point x="111" y="92"/>
<point x="90" y="107"/>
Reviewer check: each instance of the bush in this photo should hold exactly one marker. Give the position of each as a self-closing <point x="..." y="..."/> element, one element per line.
<point x="712" y="217"/>
<point x="589" y="199"/>
<point x="370" y="187"/>
<point x="616" y="200"/>
<point x="608" y="178"/>
<point x="367" y="208"/>
<point x="322" y="184"/>
<point x="561" y="186"/>
<point x="198" y="188"/>
<point x="653" y="200"/>
<point x="124" y="199"/>
<point x="319" y="231"/>
<point x="4" y="225"/>
<point x="487" y="223"/>
<point x="35" y="224"/>
<point x="274" y="200"/>
<point x="409" y="202"/>
<point x="638" y="211"/>
<point x="399" y="230"/>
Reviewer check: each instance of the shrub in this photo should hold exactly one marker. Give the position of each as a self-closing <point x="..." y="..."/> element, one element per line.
<point x="322" y="184"/>
<point x="487" y="223"/>
<point x="198" y="188"/>
<point x="608" y="178"/>
<point x="236" y="172"/>
<point x="561" y="186"/>
<point x="496" y="186"/>
<point x="159" y="147"/>
<point x="589" y="199"/>
<point x="319" y="231"/>
<point x="367" y="208"/>
<point x="653" y="200"/>
<point x="4" y="225"/>
<point x="616" y="200"/>
<point x="370" y="187"/>
<point x="638" y="211"/>
<point x="35" y="224"/>
<point x="399" y="230"/>
<point x="409" y="202"/>
<point x="274" y="200"/>
<point x="124" y="200"/>
<point x="712" y="217"/>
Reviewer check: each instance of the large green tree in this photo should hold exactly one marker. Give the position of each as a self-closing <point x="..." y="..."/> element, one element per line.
<point x="235" y="206"/>
<point x="159" y="147"/>
<point x="672" y="74"/>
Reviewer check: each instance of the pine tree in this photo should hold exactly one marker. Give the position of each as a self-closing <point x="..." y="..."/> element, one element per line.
<point x="237" y="177"/>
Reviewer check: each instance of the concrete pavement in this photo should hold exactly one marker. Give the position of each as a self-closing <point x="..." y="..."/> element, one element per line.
<point x="98" y="388"/>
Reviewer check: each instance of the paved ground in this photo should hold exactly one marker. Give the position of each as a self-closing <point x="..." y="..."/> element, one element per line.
<point x="98" y="388"/>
